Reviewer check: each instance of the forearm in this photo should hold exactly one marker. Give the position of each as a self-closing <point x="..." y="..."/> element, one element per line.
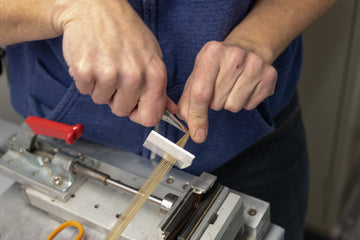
<point x="273" y="24"/>
<point x="26" y="20"/>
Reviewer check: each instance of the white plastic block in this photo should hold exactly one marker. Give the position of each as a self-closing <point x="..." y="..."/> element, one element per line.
<point x="163" y="146"/>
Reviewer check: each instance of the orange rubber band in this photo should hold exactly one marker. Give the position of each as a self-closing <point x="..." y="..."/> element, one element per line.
<point x="71" y="223"/>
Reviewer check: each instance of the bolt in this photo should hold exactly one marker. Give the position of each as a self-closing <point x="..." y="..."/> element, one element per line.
<point x="197" y="191"/>
<point x="21" y="151"/>
<point x="55" y="150"/>
<point x="170" y="180"/>
<point x="185" y="185"/>
<point x="81" y="156"/>
<point x="57" y="180"/>
<point x="10" y="144"/>
<point x="252" y="211"/>
<point x="46" y="161"/>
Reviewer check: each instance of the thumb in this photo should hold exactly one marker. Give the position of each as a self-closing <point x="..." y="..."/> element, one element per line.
<point x="198" y="124"/>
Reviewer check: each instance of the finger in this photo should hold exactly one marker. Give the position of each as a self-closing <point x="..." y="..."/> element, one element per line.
<point x="264" y="89"/>
<point x="127" y="94"/>
<point x="83" y="77"/>
<point x="171" y="106"/>
<point x="245" y="84"/>
<point x="202" y="87"/>
<point x="105" y="85"/>
<point x="121" y="105"/>
<point x="152" y="101"/>
<point x="80" y="62"/>
<point x="232" y="65"/>
<point x="148" y="111"/>
<point x="85" y="87"/>
<point x="183" y="104"/>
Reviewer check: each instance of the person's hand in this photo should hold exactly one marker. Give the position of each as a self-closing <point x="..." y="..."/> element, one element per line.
<point x="224" y="77"/>
<point x="114" y="57"/>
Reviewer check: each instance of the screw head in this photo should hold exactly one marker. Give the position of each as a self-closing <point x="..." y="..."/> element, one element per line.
<point x="57" y="180"/>
<point x="170" y="180"/>
<point x="46" y="160"/>
<point x="252" y="211"/>
<point x="21" y="151"/>
<point x="81" y="156"/>
<point x="185" y="185"/>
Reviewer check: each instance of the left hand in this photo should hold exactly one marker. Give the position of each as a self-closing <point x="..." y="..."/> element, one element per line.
<point x="227" y="77"/>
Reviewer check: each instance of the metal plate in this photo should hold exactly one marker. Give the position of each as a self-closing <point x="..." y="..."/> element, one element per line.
<point x="20" y="221"/>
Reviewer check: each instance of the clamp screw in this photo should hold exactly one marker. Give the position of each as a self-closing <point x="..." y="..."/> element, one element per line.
<point x="57" y="180"/>
<point x="252" y="211"/>
<point x="10" y="144"/>
<point x="21" y="151"/>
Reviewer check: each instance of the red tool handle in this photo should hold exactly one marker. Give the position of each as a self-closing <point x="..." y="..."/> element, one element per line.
<point x="55" y="129"/>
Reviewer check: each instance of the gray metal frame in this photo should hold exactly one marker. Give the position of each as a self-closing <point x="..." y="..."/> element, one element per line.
<point x="97" y="206"/>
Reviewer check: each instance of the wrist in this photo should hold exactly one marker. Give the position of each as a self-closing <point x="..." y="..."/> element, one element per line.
<point x="61" y="14"/>
<point x="266" y="53"/>
<point x="68" y="11"/>
<point x="26" y="21"/>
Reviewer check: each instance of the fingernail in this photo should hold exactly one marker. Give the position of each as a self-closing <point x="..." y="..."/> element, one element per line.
<point x="200" y="135"/>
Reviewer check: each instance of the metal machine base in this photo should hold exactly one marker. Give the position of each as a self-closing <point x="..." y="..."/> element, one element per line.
<point x="27" y="213"/>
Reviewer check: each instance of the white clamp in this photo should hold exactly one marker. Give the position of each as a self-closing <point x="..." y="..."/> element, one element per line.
<point x="163" y="146"/>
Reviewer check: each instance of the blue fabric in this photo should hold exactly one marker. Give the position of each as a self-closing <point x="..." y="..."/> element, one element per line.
<point x="40" y="84"/>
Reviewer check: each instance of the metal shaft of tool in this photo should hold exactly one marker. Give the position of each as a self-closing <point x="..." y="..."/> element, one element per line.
<point x="88" y="172"/>
<point x="114" y="183"/>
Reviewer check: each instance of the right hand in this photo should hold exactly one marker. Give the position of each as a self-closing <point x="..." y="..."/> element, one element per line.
<point x="114" y="57"/>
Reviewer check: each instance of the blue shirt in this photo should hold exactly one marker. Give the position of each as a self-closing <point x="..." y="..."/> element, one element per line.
<point x="41" y="85"/>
